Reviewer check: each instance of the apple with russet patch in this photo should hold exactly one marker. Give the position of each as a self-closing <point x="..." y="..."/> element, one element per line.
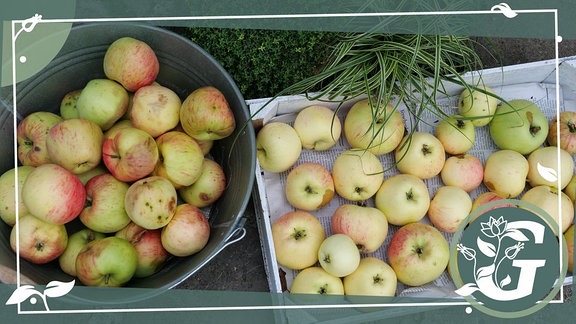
<point x="208" y="188"/>
<point x="151" y="202"/>
<point x="68" y="108"/>
<point x="155" y="109"/>
<point x="309" y="186"/>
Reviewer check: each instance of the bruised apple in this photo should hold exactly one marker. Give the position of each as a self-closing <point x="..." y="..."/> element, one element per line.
<point x="151" y="202"/>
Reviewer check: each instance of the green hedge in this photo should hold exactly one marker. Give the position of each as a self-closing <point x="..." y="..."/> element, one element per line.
<point x="264" y="62"/>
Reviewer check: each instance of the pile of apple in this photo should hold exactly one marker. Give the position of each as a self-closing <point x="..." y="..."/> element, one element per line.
<point x="127" y="162"/>
<point x="402" y="214"/>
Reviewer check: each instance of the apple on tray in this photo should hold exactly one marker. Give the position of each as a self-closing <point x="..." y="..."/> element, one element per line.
<point x="205" y="114"/>
<point x="505" y="173"/>
<point x="315" y="280"/>
<point x="103" y="102"/>
<point x="31" y="134"/>
<point x="38" y="241"/>
<point x="151" y="254"/>
<point x="107" y="262"/>
<point x="318" y="127"/>
<point x="76" y="242"/>
<point x="372" y="277"/>
<point x="75" y="144"/>
<point x="208" y="188"/>
<point x="553" y="202"/>
<point x="338" y="255"/>
<point x="418" y="253"/>
<point x="456" y="133"/>
<point x="478" y="104"/>
<point x="309" y="186"/>
<point x="180" y="158"/>
<point x="297" y="237"/>
<point x="366" y="226"/>
<point x="104" y="210"/>
<point x="151" y="202"/>
<point x="519" y="125"/>
<point x="357" y="174"/>
<point x="449" y="207"/>
<point x="155" y="109"/>
<point x="377" y="128"/>
<point x="187" y="232"/>
<point x="562" y="132"/>
<point x="543" y="167"/>
<point x="53" y="194"/>
<point x="131" y="154"/>
<point x="465" y="171"/>
<point x="8" y="193"/>
<point x="420" y="154"/>
<point x="403" y="198"/>
<point x="278" y="147"/>
<point x="131" y="62"/>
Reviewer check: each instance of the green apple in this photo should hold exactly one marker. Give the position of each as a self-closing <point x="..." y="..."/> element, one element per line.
<point x="318" y="127"/>
<point x="38" y="241"/>
<point x="208" y="188"/>
<point x="418" y="253"/>
<point x="357" y="174"/>
<point x="151" y="202"/>
<point x="76" y="242"/>
<point x="519" y="125"/>
<point x="53" y="194"/>
<point x="278" y="147"/>
<point x="338" y="255"/>
<point x="31" y="134"/>
<point x="456" y="133"/>
<point x="187" y="233"/>
<point x="465" y="171"/>
<point x="131" y="154"/>
<point x="478" y="103"/>
<point x="297" y="236"/>
<point x="505" y="173"/>
<point x="449" y="207"/>
<point x="377" y="128"/>
<point x="75" y="144"/>
<point x="107" y="262"/>
<point x="420" y="154"/>
<point x="8" y="193"/>
<point x="155" y="109"/>
<point x="403" y="198"/>
<point x="206" y="115"/>
<point x="104" y="208"/>
<point x="309" y="186"/>
<point x="543" y="167"/>
<point x="131" y="62"/>
<point x="103" y="102"/>
<point x="373" y="277"/>
<point x="180" y="158"/>
<point x="553" y="202"/>
<point x="151" y="253"/>
<point x="315" y="280"/>
<point x="366" y="226"/>
<point x="68" y="108"/>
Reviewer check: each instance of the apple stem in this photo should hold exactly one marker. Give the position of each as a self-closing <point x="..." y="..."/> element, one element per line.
<point x="571" y="127"/>
<point x="106" y="279"/>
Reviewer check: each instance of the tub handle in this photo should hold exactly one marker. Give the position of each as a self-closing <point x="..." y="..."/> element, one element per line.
<point x="238" y="234"/>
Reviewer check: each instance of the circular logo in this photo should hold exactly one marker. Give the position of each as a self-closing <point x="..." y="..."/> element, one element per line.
<point x="506" y="260"/>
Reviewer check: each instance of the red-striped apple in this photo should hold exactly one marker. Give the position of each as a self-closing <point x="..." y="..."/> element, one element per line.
<point x="465" y="171"/>
<point x="449" y="207"/>
<point x="38" y="241"/>
<point x="187" y="233"/>
<point x="366" y="226"/>
<point x="31" y="134"/>
<point x="155" y="109"/>
<point x="151" y="254"/>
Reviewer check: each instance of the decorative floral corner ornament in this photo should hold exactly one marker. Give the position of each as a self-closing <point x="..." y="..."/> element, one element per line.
<point x="53" y="289"/>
